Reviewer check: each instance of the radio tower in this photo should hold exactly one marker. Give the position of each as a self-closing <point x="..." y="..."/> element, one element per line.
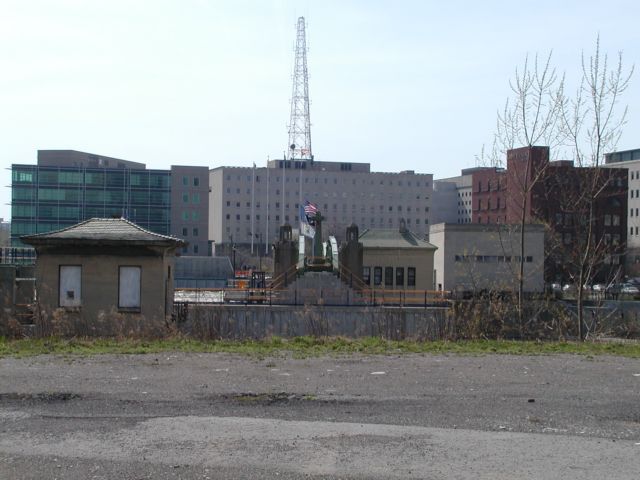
<point x="300" y="123"/>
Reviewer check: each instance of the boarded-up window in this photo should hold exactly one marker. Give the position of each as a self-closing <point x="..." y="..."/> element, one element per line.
<point x="388" y="276"/>
<point x="70" y="286"/>
<point x="411" y="276"/>
<point x="129" y="287"/>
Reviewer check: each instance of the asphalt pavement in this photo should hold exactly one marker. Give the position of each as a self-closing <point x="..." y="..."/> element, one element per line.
<point x="223" y="416"/>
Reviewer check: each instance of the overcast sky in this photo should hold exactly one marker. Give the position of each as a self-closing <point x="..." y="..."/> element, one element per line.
<point x="400" y="84"/>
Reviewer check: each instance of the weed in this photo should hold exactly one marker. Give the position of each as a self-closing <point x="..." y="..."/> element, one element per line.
<point x="301" y="347"/>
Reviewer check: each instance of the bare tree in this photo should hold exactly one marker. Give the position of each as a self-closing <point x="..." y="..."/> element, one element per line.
<point x="530" y="117"/>
<point x="588" y="124"/>
<point x="592" y="123"/>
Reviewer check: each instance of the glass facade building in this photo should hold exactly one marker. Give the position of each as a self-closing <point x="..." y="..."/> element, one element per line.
<point x="46" y="198"/>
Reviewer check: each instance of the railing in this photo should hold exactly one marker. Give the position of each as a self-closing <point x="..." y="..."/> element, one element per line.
<point x="285" y="278"/>
<point x="17" y="256"/>
<point x="313" y="297"/>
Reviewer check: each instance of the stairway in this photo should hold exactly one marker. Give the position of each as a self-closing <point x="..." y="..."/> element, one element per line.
<point x="320" y="288"/>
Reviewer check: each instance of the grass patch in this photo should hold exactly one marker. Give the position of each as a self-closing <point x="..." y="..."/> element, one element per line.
<point x="309" y="346"/>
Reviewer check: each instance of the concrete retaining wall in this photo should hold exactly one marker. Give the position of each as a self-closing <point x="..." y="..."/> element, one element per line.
<point x="254" y="322"/>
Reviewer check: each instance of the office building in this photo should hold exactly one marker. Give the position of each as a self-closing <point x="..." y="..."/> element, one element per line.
<point x="248" y="204"/>
<point x="67" y="187"/>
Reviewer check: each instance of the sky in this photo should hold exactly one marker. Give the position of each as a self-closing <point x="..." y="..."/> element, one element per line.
<point x="403" y="85"/>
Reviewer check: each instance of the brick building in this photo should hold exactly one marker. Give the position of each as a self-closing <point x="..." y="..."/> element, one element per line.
<point x="555" y="194"/>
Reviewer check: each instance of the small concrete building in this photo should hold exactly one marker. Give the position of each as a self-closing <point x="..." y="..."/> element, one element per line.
<point x="397" y="259"/>
<point x="102" y="267"/>
<point x="476" y="257"/>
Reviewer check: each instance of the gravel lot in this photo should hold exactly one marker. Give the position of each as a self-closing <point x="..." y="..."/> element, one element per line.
<point x="177" y="415"/>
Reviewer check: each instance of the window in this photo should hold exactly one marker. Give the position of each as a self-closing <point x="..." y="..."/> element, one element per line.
<point x="185" y="231"/>
<point x="366" y="275"/>
<point x="196" y="182"/>
<point x="195" y="249"/>
<point x="411" y="276"/>
<point x="185" y="181"/>
<point x="388" y="276"/>
<point x="185" y="198"/>
<point x="185" y="215"/>
<point x="70" y="286"/>
<point x="195" y="232"/>
<point x="377" y="275"/>
<point x="400" y="277"/>
<point x="129" y="287"/>
<point x="195" y="198"/>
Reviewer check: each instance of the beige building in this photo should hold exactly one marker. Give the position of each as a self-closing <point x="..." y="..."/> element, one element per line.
<point x="247" y="203"/>
<point x="104" y="268"/>
<point x="397" y="259"/>
<point x="477" y="257"/>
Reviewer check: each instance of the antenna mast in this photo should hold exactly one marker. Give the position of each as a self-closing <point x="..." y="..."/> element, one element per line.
<point x="300" y="123"/>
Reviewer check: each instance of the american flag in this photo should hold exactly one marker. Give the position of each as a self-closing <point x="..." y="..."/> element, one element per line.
<point x="310" y="209"/>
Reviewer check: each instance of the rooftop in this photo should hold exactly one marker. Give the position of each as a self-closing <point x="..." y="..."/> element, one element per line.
<point x="112" y="231"/>
<point x="393" y="238"/>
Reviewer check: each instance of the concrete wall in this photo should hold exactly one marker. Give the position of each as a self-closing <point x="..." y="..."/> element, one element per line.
<point x="421" y="259"/>
<point x="483" y="257"/>
<point x="256" y="322"/>
<point x="99" y="297"/>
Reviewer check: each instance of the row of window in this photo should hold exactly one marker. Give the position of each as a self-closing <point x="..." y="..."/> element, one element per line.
<point x="497" y="205"/>
<point x="100" y="177"/>
<point x="491" y="258"/>
<point x="335" y="181"/>
<point x="389" y="276"/>
<point x="287" y="218"/>
<point x="190" y="215"/>
<point x="194" y="231"/>
<point x="75" y="195"/>
<point x="498" y="219"/>
<point x="129" y="287"/>
<point x="195" y="197"/>
<point x="325" y="206"/>
<point x="196" y="181"/>
<point x="497" y="185"/>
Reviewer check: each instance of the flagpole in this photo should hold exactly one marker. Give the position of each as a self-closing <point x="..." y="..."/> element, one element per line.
<point x="284" y="164"/>
<point x="253" y="201"/>
<point x="300" y="185"/>
<point x="266" y="236"/>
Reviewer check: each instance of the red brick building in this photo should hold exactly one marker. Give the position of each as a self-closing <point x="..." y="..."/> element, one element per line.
<point x="557" y="195"/>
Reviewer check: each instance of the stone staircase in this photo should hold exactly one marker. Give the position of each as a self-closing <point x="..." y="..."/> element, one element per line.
<point x="320" y="288"/>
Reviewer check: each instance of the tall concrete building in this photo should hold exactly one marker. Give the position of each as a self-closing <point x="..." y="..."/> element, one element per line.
<point x="251" y="203"/>
<point x="630" y="159"/>
<point x="67" y="187"/>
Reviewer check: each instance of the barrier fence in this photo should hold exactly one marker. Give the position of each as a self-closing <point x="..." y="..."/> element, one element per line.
<point x="313" y="296"/>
